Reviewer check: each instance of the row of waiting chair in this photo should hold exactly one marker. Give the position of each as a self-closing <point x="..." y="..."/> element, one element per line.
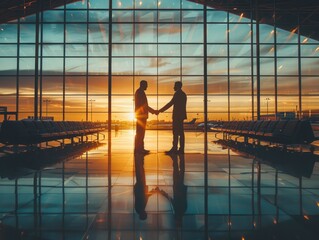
<point x="276" y="131"/>
<point x="27" y="132"/>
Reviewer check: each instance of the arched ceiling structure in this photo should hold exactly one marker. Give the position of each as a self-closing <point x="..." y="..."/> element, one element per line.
<point x="284" y="14"/>
<point x="11" y="10"/>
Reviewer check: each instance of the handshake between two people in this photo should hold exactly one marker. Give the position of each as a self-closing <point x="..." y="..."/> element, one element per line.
<point x="156" y="112"/>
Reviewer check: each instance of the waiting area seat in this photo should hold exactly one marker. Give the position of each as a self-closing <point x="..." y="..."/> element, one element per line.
<point x="275" y="131"/>
<point x="26" y="132"/>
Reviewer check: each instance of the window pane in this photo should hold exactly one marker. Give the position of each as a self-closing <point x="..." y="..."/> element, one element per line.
<point x="169" y="33"/>
<point x="218" y="104"/>
<point x="193" y="85"/>
<point x="8" y="50"/>
<point x="27" y="66"/>
<point x="192" y="66"/>
<point x="192" y="33"/>
<point x="145" y="16"/>
<point x="145" y="66"/>
<point x="98" y="66"/>
<point x="284" y="50"/>
<point x="76" y="16"/>
<point x="52" y="85"/>
<point x="122" y="50"/>
<point x="75" y="85"/>
<point x="99" y="16"/>
<point x="99" y="4"/>
<point x="239" y="50"/>
<point x="287" y="66"/>
<point x="219" y="50"/>
<point x="240" y="85"/>
<point x="52" y="66"/>
<point x="166" y="84"/>
<point x="8" y="33"/>
<point x="7" y="85"/>
<point x="212" y="29"/>
<point x="27" y="33"/>
<point x="169" y="16"/>
<point x="122" y="66"/>
<point x="217" y="66"/>
<point x="192" y="16"/>
<point x="192" y="50"/>
<point x="287" y="106"/>
<point x="98" y="33"/>
<point x="288" y="85"/>
<point x="239" y="33"/>
<point x="98" y="85"/>
<point x="123" y="4"/>
<point x="240" y="66"/>
<point x="217" y="85"/>
<point x="98" y="50"/>
<point x="72" y="50"/>
<point x="53" y="16"/>
<point x="122" y="33"/>
<point x="122" y="85"/>
<point x="169" y="66"/>
<point x="52" y="50"/>
<point x="8" y="66"/>
<point x="146" y="33"/>
<point x="167" y="50"/>
<point x="75" y="66"/>
<point x="146" y="49"/>
<point x="310" y="85"/>
<point x="122" y="16"/>
<point x="53" y="33"/>
<point x="309" y="66"/>
<point x="76" y="33"/>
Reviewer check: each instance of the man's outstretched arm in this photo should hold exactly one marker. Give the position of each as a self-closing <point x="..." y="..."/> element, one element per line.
<point x="167" y="106"/>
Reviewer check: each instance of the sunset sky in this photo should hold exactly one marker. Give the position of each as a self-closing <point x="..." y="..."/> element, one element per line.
<point x="162" y="53"/>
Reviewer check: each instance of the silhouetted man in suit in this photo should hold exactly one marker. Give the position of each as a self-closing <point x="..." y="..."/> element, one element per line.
<point x="179" y="114"/>
<point x="141" y="114"/>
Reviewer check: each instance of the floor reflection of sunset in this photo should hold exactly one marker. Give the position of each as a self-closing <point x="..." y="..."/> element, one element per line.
<point x="160" y="141"/>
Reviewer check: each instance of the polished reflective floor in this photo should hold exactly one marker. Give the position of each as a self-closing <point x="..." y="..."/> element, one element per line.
<point x="104" y="191"/>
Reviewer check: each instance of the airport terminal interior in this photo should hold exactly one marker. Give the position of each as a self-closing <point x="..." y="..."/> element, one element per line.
<point x="69" y="70"/>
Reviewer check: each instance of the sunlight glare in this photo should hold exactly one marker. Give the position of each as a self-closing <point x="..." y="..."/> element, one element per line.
<point x="131" y="116"/>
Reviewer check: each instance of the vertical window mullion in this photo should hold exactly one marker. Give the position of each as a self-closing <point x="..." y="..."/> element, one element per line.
<point x="228" y="67"/>
<point x="299" y="71"/>
<point x="276" y="61"/>
<point x="64" y="62"/>
<point x="18" y="71"/>
<point x="87" y="66"/>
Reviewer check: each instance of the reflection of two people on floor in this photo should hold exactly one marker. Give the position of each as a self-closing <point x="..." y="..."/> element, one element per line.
<point x="179" y="115"/>
<point x="179" y="199"/>
<point x="141" y="192"/>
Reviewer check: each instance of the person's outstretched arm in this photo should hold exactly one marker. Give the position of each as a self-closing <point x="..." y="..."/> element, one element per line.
<point x="151" y="110"/>
<point x="167" y="106"/>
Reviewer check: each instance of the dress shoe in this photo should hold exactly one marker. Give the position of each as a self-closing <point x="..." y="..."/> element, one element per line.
<point x="180" y="151"/>
<point x="142" y="151"/>
<point x="172" y="151"/>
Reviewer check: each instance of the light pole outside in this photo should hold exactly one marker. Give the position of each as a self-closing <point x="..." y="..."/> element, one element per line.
<point x="91" y="101"/>
<point x="46" y="101"/>
<point x="267" y="99"/>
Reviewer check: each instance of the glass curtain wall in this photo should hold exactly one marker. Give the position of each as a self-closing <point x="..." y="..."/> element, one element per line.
<point x="161" y="41"/>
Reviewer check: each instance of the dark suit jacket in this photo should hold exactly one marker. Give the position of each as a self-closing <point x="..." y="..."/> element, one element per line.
<point x="141" y="104"/>
<point x="179" y="101"/>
